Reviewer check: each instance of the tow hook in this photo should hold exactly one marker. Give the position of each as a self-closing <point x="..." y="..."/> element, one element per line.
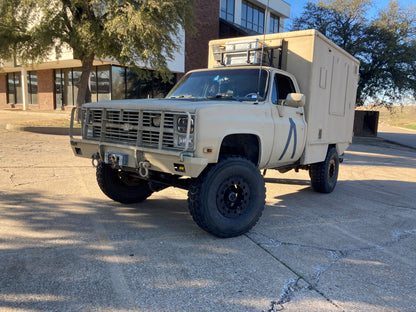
<point x="144" y="169"/>
<point x="95" y="160"/>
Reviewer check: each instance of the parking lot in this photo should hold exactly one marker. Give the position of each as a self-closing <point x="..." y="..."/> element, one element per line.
<point x="64" y="246"/>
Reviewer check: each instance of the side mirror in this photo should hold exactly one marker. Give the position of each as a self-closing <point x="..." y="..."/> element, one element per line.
<point x="295" y="100"/>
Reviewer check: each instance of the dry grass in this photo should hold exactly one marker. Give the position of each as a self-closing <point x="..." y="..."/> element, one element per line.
<point x="61" y="122"/>
<point x="395" y="116"/>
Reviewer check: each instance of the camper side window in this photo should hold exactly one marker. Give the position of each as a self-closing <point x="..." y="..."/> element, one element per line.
<point x="282" y="86"/>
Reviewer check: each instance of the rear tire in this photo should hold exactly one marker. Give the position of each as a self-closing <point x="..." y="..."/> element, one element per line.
<point x="229" y="198"/>
<point x="120" y="186"/>
<point x="324" y="175"/>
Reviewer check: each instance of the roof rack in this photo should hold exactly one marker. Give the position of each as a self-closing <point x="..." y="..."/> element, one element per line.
<point x="248" y="52"/>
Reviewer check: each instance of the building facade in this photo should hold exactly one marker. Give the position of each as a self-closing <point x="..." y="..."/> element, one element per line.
<point x="53" y="85"/>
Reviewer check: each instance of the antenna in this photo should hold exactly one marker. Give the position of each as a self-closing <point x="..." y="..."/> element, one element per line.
<point x="262" y="51"/>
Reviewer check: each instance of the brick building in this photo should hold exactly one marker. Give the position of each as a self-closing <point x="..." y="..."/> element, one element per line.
<point x="53" y="85"/>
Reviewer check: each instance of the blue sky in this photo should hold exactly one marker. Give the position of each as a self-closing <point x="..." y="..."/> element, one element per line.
<point x="297" y="6"/>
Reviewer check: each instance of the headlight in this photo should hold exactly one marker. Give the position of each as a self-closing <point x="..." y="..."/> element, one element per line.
<point x="183" y="124"/>
<point x="182" y="141"/>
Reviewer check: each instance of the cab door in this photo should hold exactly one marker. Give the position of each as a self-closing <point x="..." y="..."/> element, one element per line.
<point x="289" y="123"/>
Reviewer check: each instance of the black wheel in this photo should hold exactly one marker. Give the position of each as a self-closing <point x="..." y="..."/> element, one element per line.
<point x="120" y="186"/>
<point x="324" y="175"/>
<point x="229" y="198"/>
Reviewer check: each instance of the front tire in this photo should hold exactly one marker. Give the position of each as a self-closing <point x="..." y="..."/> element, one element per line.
<point x="120" y="186"/>
<point x="229" y="198"/>
<point x="324" y="175"/>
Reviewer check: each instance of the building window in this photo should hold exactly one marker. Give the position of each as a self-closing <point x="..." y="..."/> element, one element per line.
<point x="67" y="82"/>
<point x="110" y="83"/>
<point x="252" y="17"/>
<point x="32" y="87"/>
<point x="227" y="10"/>
<point x="274" y="23"/>
<point x="14" y="88"/>
<point x="118" y="83"/>
<point x="100" y="84"/>
<point x="59" y="89"/>
<point x="146" y="84"/>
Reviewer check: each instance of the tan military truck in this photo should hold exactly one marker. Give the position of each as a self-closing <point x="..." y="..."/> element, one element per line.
<point x="280" y="101"/>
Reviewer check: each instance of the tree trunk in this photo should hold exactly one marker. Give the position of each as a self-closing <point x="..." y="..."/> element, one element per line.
<point x="84" y="93"/>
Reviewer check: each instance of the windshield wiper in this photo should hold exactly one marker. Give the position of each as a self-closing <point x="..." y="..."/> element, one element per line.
<point x="223" y="96"/>
<point x="183" y="96"/>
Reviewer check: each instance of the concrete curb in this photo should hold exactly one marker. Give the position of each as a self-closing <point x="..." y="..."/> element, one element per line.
<point x="397" y="143"/>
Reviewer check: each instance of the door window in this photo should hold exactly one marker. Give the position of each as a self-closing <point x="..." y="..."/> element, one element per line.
<point x="282" y="86"/>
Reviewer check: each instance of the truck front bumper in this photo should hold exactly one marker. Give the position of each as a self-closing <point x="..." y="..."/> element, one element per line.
<point x="173" y="162"/>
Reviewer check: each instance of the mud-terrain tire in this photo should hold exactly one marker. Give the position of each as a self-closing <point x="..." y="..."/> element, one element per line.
<point x="121" y="187"/>
<point x="324" y="175"/>
<point x="229" y="198"/>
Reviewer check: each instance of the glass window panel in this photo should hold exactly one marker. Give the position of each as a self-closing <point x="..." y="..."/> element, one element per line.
<point x="118" y="87"/>
<point x="223" y="14"/>
<point x="32" y="81"/>
<point x="244" y="14"/>
<point x="249" y="17"/>
<point x="274" y="24"/>
<point x="230" y="10"/>
<point x="76" y="80"/>
<point x="132" y="81"/>
<point x="93" y="85"/>
<point x="261" y="22"/>
<point x="10" y="82"/>
<point x="139" y="84"/>
<point x="103" y="83"/>
<point x="145" y="88"/>
<point x="11" y="91"/>
<point x="68" y="91"/>
<point x="223" y="9"/>
<point x="161" y="88"/>
<point x="18" y="86"/>
<point x="59" y="85"/>
<point x="255" y="20"/>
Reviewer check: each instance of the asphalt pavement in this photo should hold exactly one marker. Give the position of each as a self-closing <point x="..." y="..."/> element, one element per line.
<point x="405" y="137"/>
<point x="64" y="246"/>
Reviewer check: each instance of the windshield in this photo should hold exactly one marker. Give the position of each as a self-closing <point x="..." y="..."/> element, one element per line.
<point x="236" y="84"/>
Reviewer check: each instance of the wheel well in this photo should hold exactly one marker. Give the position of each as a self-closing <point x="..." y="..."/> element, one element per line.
<point x="245" y="145"/>
<point x="332" y="146"/>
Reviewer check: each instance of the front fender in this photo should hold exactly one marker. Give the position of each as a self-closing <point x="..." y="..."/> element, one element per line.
<point x="215" y="124"/>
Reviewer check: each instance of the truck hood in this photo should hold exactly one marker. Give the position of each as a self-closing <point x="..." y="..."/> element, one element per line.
<point x="176" y="105"/>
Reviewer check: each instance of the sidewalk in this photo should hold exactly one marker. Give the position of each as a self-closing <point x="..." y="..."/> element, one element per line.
<point x="47" y="122"/>
<point x="405" y="137"/>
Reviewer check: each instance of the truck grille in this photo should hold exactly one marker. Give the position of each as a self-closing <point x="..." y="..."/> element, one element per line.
<point x="154" y="129"/>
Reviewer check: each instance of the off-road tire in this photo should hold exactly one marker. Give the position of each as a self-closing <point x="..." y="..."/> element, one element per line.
<point x="120" y="186"/>
<point x="228" y="199"/>
<point x="324" y="175"/>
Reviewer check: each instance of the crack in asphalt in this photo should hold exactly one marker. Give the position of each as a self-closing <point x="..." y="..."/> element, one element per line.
<point x="292" y="287"/>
